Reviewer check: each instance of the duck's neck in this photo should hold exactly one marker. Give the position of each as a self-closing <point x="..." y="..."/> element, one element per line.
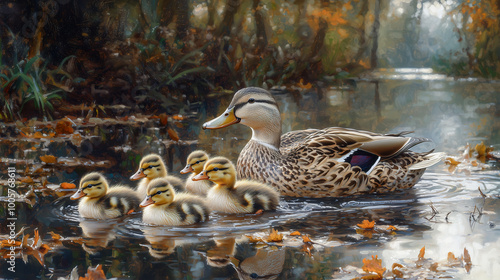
<point x="268" y="135"/>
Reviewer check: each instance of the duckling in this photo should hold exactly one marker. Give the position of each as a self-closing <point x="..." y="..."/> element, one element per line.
<point x="171" y="209"/>
<point x="195" y="162"/>
<point x="102" y="202"/>
<point x="151" y="167"/>
<point x="231" y="196"/>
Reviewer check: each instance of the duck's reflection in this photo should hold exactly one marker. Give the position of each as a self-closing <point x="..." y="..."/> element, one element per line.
<point x="97" y="234"/>
<point x="162" y="243"/>
<point x="249" y="263"/>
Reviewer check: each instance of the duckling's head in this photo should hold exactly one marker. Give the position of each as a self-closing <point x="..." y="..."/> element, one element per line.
<point x="256" y="108"/>
<point x="219" y="170"/>
<point x="160" y="192"/>
<point x="151" y="167"/>
<point x="92" y="185"/>
<point x="195" y="162"/>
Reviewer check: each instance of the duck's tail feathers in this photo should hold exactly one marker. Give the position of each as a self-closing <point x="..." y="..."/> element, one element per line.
<point x="429" y="160"/>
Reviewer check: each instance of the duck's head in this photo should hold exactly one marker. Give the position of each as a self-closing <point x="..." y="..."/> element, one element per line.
<point x="219" y="170"/>
<point x="256" y="108"/>
<point x="92" y="185"/>
<point x="160" y="192"/>
<point x="151" y="167"/>
<point x="195" y="162"/>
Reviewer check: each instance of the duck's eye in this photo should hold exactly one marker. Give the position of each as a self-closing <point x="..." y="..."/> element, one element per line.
<point x="216" y="169"/>
<point x="251" y="100"/>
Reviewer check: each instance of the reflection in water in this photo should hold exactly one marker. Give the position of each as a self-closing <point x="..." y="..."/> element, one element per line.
<point x="267" y="263"/>
<point x="97" y="234"/>
<point x="221" y="254"/>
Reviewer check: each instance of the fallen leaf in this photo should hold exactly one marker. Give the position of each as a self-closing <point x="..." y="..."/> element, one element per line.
<point x="295" y="233"/>
<point x="451" y="161"/>
<point x="67" y="186"/>
<point x="178" y="117"/>
<point x="64" y="127"/>
<point x="26" y="180"/>
<point x="373" y="265"/>
<point x="48" y="159"/>
<point x="163" y="119"/>
<point x="365" y="232"/>
<point x="172" y="134"/>
<point x="467" y="258"/>
<point x="94" y="273"/>
<point x="398" y="273"/>
<point x="55" y="236"/>
<point x="434" y="267"/>
<point x="392" y="228"/>
<point x="252" y="239"/>
<point x="274" y="236"/>
<point x="44" y="249"/>
<point x="367" y="224"/>
<point x="307" y="248"/>
<point x="259" y="212"/>
<point x="37" y="135"/>
<point x="421" y="254"/>
<point x="306" y="239"/>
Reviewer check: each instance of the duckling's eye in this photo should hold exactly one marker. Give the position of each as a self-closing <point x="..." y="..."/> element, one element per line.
<point x="251" y="100"/>
<point x="197" y="162"/>
<point x="98" y="188"/>
<point x="215" y="169"/>
<point x="158" y="192"/>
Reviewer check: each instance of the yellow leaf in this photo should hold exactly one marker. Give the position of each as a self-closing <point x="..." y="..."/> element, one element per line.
<point x="306" y="239"/>
<point x="295" y="233"/>
<point x="252" y="239"/>
<point x="274" y="236"/>
<point x="451" y="161"/>
<point x="373" y="265"/>
<point x="421" y="254"/>
<point x="367" y="224"/>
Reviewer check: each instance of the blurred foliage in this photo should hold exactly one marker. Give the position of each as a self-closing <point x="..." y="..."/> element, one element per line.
<point x="161" y="55"/>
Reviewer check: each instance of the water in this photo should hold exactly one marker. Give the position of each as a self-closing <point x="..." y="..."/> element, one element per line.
<point x="444" y="212"/>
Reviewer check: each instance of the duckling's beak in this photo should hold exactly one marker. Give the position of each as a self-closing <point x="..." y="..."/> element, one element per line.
<point x="200" y="176"/>
<point x="138" y="175"/>
<point x="77" y="195"/>
<point x="226" y="119"/>
<point x="187" y="169"/>
<point x="147" y="201"/>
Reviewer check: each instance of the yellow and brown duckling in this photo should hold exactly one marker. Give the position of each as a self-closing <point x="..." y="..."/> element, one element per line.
<point x="166" y="207"/>
<point x="326" y="162"/>
<point x="195" y="162"/>
<point x="152" y="167"/>
<point x="232" y="196"/>
<point x="99" y="201"/>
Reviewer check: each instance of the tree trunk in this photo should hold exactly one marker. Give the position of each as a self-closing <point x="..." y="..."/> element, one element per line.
<point x="362" y="31"/>
<point x="166" y="11"/>
<point x="376" y="26"/>
<point x="212" y="10"/>
<point x="230" y="10"/>
<point x="182" y="23"/>
<point x="260" y="25"/>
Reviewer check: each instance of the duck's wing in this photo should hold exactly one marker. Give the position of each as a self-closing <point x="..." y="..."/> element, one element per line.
<point x="291" y="139"/>
<point x="359" y="148"/>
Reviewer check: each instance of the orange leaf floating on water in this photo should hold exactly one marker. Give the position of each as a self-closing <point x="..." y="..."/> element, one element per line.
<point x="67" y="186"/>
<point x="451" y="161"/>
<point x="467" y="260"/>
<point x="306" y="239"/>
<point x="274" y="236"/>
<point x="48" y="159"/>
<point x="373" y="265"/>
<point x="295" y="233"/>
<point x="163" y="119"/>
<point x="94" y="274"/>
<point x="451" y="257"/>
<point x="398" y="273"/>
<point x="367" y="224"/>
<point x="55" y="236"/>
<point x="392" y="228"/>
<point x="64" y="127"/>
<point x="178" y="117"/>
<point x="307" y="248"/>
<point x="26" y="180"/>
<point x="434" y="267"/>
<point x="259" y="212"/>
<point x="421" y="254"/>
<point x="173" y="135"/>
<point x="306" y="86"/>
<point x="44" y="249"/>
<point x="252" y="239"/>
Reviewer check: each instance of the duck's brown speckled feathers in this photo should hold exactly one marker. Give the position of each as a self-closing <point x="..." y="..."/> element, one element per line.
<point x="320" y="162"/>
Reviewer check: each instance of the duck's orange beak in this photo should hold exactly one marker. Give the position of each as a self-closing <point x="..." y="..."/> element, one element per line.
<point x="187" y="169"/>
<point x="138" y="175"/>
<point x="200" y="176"/>
<point x="77" y="195"/>
<point x="147" y="201"/>
<point x="226" y="119"/>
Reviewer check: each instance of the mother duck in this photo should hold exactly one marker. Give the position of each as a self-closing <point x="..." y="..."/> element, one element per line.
<point x="328" y="162"/>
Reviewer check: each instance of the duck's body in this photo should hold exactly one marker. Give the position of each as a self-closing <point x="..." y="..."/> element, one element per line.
<point x="152" y="167"/>
<point x="165" y="207"/>
<point x="231" y="196"/>
<point x="98" y="201"/>
<point x="194" y="164"/>
<point x="326" y="162"/>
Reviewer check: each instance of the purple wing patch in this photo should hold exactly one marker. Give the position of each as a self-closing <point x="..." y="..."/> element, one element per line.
<point x="363" y="159"/>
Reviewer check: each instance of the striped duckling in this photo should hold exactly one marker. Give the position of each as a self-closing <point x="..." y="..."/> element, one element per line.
<point x="152" y="167"/>
<point x="165" y="207"/>
<point x="232" y="196"/>
<point x="195" y="162"/>
<point x="99" y="201"/>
